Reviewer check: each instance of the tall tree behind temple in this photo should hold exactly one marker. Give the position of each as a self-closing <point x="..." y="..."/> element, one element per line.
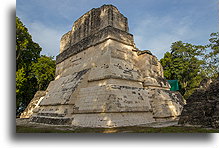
<point x="33" y="72"/>
<point x="183" y="64"/>
<point x="27" y="51"/>
<point x="211" y="57"/>
<point x="44" y="71"/>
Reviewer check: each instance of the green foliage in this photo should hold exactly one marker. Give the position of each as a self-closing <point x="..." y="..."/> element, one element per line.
<point x="190" y="64"/>
<point x="183" y="64"/>
<point x="214" y="44"/>
<point x="27" y="50"/>
<point x="44" y="71"/>
<point x="33" y="72"/>
<point x="211" y="57"/>
<point x="21" y="80"/>
<point x="25" y="87"/>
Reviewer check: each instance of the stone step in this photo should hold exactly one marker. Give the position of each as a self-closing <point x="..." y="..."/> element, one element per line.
<point x="51" y="114"/>
<point x="51" y="120"/>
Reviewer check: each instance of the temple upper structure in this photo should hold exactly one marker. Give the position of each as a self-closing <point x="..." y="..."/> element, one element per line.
<point x="92" y="22"/>
<point x="93" y="27"/>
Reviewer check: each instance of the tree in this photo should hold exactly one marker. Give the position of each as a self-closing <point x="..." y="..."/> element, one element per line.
<point x="25" y="87"/>
<point x="44" y="71"/>
<point x="212" y="56"/>
<point x="27" y="51"/>
<point x="184" y="65"/>
<point x="214" y="44"/>
<point x="33" y="72"/>
<point x="21" y="80"/>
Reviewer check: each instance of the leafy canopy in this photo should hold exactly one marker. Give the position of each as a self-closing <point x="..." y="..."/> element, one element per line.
<point x="182" y="63"/>
<point x="26" y="49"/>
<point x="211" y="57"/>
<point x="44" y="71"/>
<point x="33" y="72"/>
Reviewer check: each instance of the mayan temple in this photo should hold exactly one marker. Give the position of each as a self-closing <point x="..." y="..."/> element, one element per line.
<point x="103" y="80"/>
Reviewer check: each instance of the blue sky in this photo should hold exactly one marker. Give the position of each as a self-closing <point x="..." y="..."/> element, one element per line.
<point x="154" y="24"/>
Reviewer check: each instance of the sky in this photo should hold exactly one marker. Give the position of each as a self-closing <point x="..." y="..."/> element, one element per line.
<point x="154" y="24"/>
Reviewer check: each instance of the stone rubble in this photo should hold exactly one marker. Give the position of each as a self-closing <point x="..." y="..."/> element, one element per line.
<point x="202" y="108"/>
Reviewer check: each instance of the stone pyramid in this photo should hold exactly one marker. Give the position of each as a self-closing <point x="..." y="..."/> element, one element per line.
<point x="103" y="80"/>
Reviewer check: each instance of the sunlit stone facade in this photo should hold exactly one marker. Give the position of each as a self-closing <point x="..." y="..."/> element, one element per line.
<point x="103" y="80"/>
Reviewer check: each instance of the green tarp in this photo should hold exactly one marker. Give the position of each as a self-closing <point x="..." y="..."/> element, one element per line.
<point x="174" y="85"/>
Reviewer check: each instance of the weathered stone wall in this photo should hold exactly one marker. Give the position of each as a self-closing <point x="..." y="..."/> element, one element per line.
<point x="65" y="42"/>
<point x="102" y="80"/>
<point x="94" y="39"/>
<point x="202" y="108"/>
<point x="111" y="80"/>
<point x="27" y="113"/>
<point x="92" y="22"/>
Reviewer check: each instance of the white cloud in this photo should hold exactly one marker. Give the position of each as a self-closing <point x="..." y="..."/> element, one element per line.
<point x="157" y="33"/>
<point x="154" y="32"/>
<point x="48" y="38"/>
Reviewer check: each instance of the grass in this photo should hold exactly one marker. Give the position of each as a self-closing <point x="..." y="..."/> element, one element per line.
<point x="130" y="129"/>
<point x="23" y="129"/>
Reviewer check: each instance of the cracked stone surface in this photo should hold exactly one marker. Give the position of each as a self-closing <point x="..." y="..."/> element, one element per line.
<point x="202" y="108"/>
<point x="103" y="80"/>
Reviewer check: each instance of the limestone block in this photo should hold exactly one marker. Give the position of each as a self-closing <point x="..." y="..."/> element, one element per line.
<point x="94" y="39"/>
<point x="165" y="104"/>
<point x="96" y="19"/>
<point x="91" y="22"/>
<point x="60" y="90"/>
<point x="65" y="42"/>
<point x="34" y="103"/>
<point x="155" y="82"/>
<point x="112" y="119"/>
<point x="113" y="98"/>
